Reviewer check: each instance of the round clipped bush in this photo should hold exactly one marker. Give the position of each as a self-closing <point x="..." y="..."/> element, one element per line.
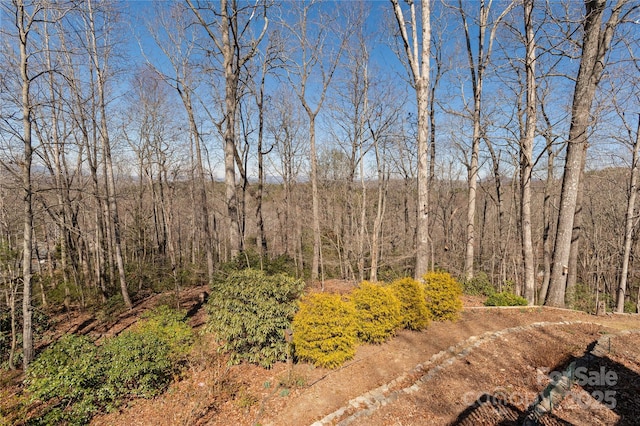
<point x="249" y="311"/>
<point x="442" y="293"/>
<point x="410" y="293"/>
<point x="324" y="330"/>
<point x="505" y="299"/>
<point x="377" y="312"/>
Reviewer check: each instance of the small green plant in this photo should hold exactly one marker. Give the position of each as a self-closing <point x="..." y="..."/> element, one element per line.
<point x="249" y="311"/>
<point x="582" y="298"/>
<point x="629" y="307"/>
<point x="324" y="330"/>
<point x="442" y="293"/>
<point x="74" y="378"/>
<point x="479" y="285"/>
<point x="66" y="375"/>
<point x="378" y="312"/>
<point x="505" y="299"/>
<point x="168" y="326"/>
<point x="410" y="293"/>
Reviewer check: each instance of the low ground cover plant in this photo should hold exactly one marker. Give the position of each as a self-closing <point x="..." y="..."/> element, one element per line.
<point x="505" y="299"/>
<point x="73" y="379"/>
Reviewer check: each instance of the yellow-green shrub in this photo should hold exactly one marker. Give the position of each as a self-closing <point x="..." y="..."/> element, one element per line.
<point x="377" y="312"/>
<point x="442" y="293"/>
<point x="324" y="330"/>
<point x="410" y="293"/>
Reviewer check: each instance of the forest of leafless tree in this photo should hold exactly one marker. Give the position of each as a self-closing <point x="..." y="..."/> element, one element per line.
<point x="144" y="144"/>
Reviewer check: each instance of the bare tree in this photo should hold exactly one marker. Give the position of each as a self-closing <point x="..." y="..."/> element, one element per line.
<point x="595" y="45"/>
<point x="99" y="57"/>
<point x="311" y="42"/>
<point x="177" y="44"/>
<point x="478" y="64"/>
<point x="230" y="43"/>
<point x="26" y="16"/>
<point x="284" y="128"/>
<point x="417" y="51"/>
<point x="629" y="218"/>
<point x="526" y="154"/>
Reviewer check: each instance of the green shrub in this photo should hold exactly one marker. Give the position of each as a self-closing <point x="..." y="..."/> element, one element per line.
<point x="442" y="293"/>
<point x="582" y="298"/>
<point x="505" y="299"/>
<point x="74" y="378"/>
<point x="410" y="293"/>
<point x="324" y="330"/>
<point x="138" y="366"/>
<point x="66" y="376"/>
<point x="377" y="312"/>
<point x="479" y="285"/>
<point x="629" y="307"/>
<point x="249" y="311"/>
<point x="169" y="326"/>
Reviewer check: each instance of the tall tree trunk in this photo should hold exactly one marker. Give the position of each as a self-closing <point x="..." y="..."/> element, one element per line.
<point x="231" y="101"/>
<point x="419" y="66"/>
<point x="576" y="236"/>
<point x="23" y="23"/>
<point x="547" y="242"/>
<point x="526" y="155"/>
<point x="376" y="236"/>
<point x="112" y="204"/>
<point x="315" y="207"/>
<point x="629" y="221"/>
<point x="596" y="43"/>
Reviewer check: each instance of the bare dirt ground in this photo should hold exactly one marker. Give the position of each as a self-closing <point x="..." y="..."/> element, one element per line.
<point x="433" y="377"/>
<point x="429" y="377"/>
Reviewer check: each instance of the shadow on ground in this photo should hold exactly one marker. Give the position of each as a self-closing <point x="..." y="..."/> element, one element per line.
<point x="601" y="384"/>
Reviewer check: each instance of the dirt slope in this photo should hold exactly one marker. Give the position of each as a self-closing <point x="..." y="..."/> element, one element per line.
<point x="454" y="368"/>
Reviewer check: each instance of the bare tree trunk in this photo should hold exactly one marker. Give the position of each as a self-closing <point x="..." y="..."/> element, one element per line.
<point x="315" y="208"/>
<point x="576" y="236"/>
<point x="235" y="57"/>
<point x="13" y="289"/>
<point x="380" y="209"/>
<point x="477" y="67"/>
<point x="596" y="43"/>
<point x="526" y="155"/>
<point x="547" y="243"/>
<point x="231" y="102"/>
<point x="419" y="67"/>
<point x="112" y="204"/>
<point x="23" y="24"/>
<point x="629" y="221"/>
<point x="312" y="55"/>
<point x="501" y="242"/>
